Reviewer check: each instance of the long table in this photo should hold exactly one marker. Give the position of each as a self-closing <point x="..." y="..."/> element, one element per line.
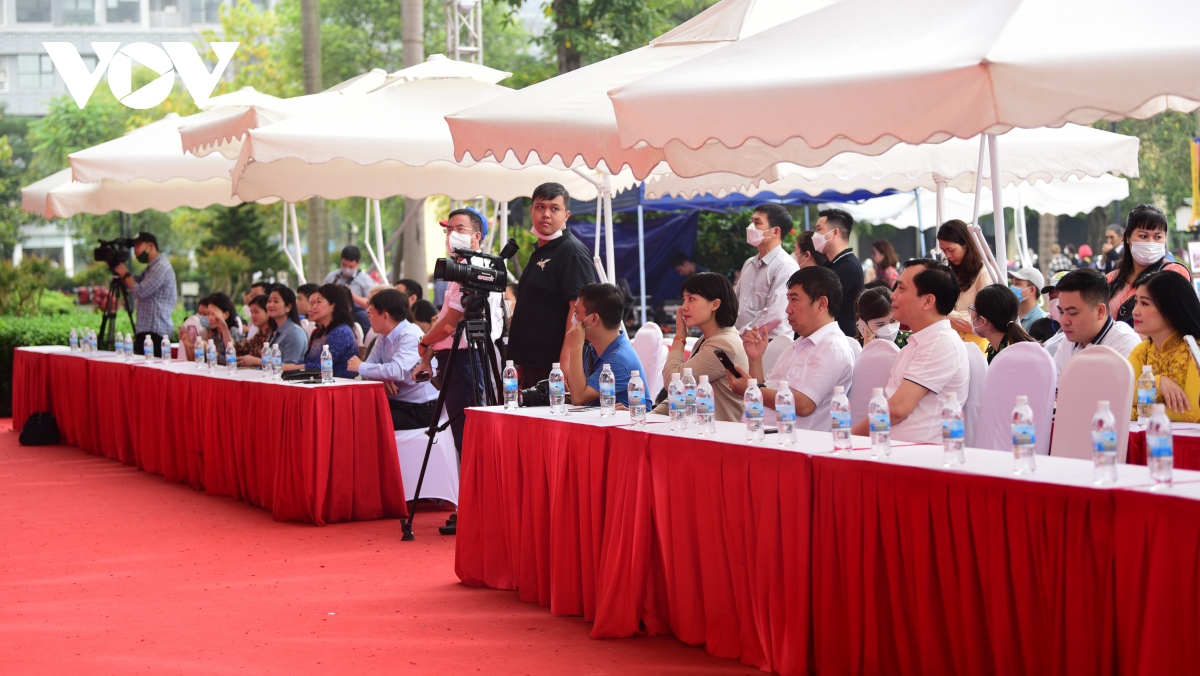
<point x="313" y="453"/>
<point x="798" y="561"/>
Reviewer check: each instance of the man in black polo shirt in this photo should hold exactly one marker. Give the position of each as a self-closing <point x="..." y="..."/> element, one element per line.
<point x="832" y="237"/>
<point x="550" y="283"/>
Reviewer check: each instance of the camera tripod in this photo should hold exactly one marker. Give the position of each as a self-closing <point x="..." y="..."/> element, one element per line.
<point x="108" y="325"/>
<point x="476" y="326"/>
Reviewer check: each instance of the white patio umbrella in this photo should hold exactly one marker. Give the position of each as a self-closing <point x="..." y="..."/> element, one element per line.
<point x="876" y="71"/>
<point x="57" y="196"/>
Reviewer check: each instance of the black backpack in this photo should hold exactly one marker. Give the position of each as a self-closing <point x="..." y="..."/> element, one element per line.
<point x="41" y="429"/>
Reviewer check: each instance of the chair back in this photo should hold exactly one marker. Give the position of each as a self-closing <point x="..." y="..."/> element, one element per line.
<point x="855" y="348"/>
<point x="871" y="370"/>
<point x="979" y="370"/>
<point x="648" y="344"/>
<point x="308" y="327"/>
<point x="358" y="333"/>
<point x="1021" y="369"/>
<point x="777" y="346"/>
<point x="1097" y="373"/>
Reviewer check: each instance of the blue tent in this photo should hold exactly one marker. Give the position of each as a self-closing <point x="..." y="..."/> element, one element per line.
<point x="628" y="201"/>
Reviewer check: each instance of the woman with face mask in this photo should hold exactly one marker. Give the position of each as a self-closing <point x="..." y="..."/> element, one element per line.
<point x="1166" y="310"/>
<point x="194" y="328"/>
<point x="874" y="311"/>
<point x="994" y="317"/>
<point x="805" y="251"/>
<point x="1145" y="254"/>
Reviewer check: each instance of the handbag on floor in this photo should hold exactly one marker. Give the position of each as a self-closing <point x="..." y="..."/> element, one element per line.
<point x="41" y="429"/>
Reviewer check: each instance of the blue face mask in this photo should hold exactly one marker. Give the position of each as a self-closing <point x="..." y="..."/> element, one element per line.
<point x="1018" y="292"/>
<point x="204" y="323"/>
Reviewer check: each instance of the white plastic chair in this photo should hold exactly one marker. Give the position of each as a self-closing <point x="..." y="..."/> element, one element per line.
<point x="441" y="475"/>
<point x="855" y="348"/>
<point x="1098" y="373"/>
<point x="871" y="370"/>
<point x="358" y="333"/>
<point x="775" y="348"/>
<point x="1021" y="369"/>
<point x="647" y="343"/>
<point x="308" y="327"/>
<point x="979" y="369"/>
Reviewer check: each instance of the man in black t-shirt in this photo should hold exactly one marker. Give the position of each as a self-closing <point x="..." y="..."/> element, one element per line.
<point x="831" y="236"/>
<point x="550" y="283"/>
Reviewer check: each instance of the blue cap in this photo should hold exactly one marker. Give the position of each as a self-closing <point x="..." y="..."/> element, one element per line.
<point x="481" y="218"/>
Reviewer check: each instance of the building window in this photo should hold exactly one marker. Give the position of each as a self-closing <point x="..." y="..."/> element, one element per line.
<point x="78" y="12"/>
<point x="33" y="11"/>
<point x="36" y="71"/>
<point x="124" y="11"/>
<point x="3" y="73"/>
<point x="206" y="11"/>
<point x="165" y="14"/>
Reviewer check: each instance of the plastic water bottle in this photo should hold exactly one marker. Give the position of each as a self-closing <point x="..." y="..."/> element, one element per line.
<point x="148" y="349"/>
<point x="706" y="404"/>
<point x="74" y="341"/>
<point x="689" y="387"/>
<point x="839" y="414"/>
<point x="119" y="344"/>
<point x="129" y="346"/>
<point x="637" y="400"/>
<point x="211" y="355"/>
<point x="510" y="385"/>
<point x="753" y="407"/>
<point x="276" y="361"/>
<point x="785" y="411"/>
<point x="608" y="392"/>
<point x="558" y="393"/>
<point x="1147" y="393"/>
<point x="1104" y="445"/>
<point x="879" y="418"/>
<point x="230" y="359"/>
<point x="1159" y="451"/>
<point x="326" y="365"/>
<point x="1024" y="437"/>
<point x="266" y="357"/>
<point x="198" y="354"/>
<point x="93" y="341"/>
<point x="953" y="433"/>
<point x="677" y="401"/>
<point x="166" y="350"/>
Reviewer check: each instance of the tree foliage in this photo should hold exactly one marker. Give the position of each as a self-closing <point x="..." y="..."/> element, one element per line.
<point x="224" y="267"/>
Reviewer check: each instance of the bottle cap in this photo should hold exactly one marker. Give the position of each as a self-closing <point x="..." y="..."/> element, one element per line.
<point x="878" y="391"/>
<point x="782" y="385"/>
<point x="675" y="376"/>
<point x="838" y="389"/>
<point x="1022" y="400"/>
<point x="752" y="382"/>
<point x="631" y="373"/>
<point x="508" y="363"/>
<point x="704" y="379"/>
<point x="556" y="365"/>
<point x="1103" y="403"/>
<point x="687" y="371"/>
<point x="1147" y="369"/>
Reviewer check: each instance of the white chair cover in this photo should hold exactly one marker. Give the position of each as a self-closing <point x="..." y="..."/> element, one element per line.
<point x="777" y="346"/>
<point x="871" y="370"/>
<point x="1098" y="373"/>
<point x="308" y="327"/>
<point x="358" y="333"/>
<point x="441" y="476"/>
<point x="1021" y="369"/>
<point x="647" y="343"/>
<point x="855" y="347"/>
<point x="979" y="369"/>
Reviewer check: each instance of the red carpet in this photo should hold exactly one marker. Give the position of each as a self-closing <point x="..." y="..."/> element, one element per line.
<point x="105" y="569"/>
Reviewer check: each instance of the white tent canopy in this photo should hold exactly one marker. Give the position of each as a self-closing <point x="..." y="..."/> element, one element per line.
<point x="150" y="152"/>
<point x="57" y="196"/>
<point x="1059" y="197"/>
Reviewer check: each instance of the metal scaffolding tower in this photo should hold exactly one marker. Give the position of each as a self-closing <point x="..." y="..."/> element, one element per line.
<point x="464" y="30"/>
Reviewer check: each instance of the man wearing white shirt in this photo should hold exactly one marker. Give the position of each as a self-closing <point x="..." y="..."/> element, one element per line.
<point x="762" y="287"/>
<point x="815" y="364"/>
<point x="933" y="363"/>
<point x="1083" y="311"/>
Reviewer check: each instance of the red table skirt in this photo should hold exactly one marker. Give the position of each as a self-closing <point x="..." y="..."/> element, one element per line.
<point x="1186" y="451"/>
<point x="278" y="447"/>
<point x="815" y="564"/>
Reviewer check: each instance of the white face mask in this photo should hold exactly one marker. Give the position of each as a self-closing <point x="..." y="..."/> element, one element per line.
<point x="458" y="240"/>
<point x="888" y="331"/>
<point x="975" y="326"/>
<point x="754" y="236"/>
<point x="349" y="272"/>
<point x="1052" y="309"/>
<point x="545" y="238"/>
<point x="819" y="242"/>
<point x="1147" y="253"/>
<point x="245" y="310"/>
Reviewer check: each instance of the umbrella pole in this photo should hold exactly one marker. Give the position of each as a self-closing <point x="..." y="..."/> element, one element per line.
<point x="941" y="199"/>
<point x="976" y="231"/>
<point x="920" y="222"/>
<point x="283" y="239"/>
<point x="599" y="213"/>
<point x="379" y="240"/>
<point x="291" y="209"/>
<point x="609" y="246"/>
<point x="998" y="205"/>
<point x="642" y="258"/>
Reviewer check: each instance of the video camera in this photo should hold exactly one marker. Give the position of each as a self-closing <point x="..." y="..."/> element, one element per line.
<point x="493" y="278"/>
<point x="113" y="252"/>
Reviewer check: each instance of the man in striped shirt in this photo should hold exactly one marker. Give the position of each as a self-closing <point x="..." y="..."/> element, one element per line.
<point x="153" y="291"/>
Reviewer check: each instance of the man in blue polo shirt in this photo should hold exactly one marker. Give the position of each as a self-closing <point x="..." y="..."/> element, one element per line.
<point x="595" y="339"/>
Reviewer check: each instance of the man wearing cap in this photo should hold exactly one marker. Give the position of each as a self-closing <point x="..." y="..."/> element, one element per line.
<point x="358" y="282"/>
<point x="1050" y="291"/>
<point x="153" y="291"/>
<point x="1027" y="284"/>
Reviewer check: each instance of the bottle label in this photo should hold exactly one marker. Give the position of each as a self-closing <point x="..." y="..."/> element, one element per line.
<point x="1104" y="442"/>
<point x="1023" y="435"/>
<point x="608" y="389"/>
<point x="691" y="396"/>
<point x="1159" y="446"/>
<point x="556" y="389"/>
<point x="1147" y="396"/>
<point x="704" y="405"/>
<point x="510" y="384"/>
<point x="786" y="412"/>
<point x="841" y="419"/>
<point x="880" y="422"/>
<point x="326" y="364"/>
<point x="952" y="429"/>
<point x="754" y="409"/>
<point x="678" y="402"/>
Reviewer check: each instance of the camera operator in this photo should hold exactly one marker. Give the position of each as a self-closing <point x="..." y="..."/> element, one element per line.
<point x="154" y="292"/>
<point x="550" y="283"/>
<point x="465" y="229"/>
<point x="359" y="283"/>
<point x="597" y="320"/>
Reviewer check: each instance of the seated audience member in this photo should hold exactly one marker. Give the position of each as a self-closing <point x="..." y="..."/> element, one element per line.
<point x="370" y="337"/>
<point x="874" y="311"/>
<point x="934" y="362"/>
<point x="329" y="309"/>
<point x="224" y="328"/>
<point x="594" y="341"/>
<point x="259" y="288"/>
<point x="805" y="252"/>
<point x="994" y="317"/>
<point x="412" y="291"/>
<point x="883" y="255"/>
<point x="684" y="264"/>
<point x="1050" y="291"/>
<point x="302" y="294"/>
<point x="814" y="364"/>
<point x="424" y="314"/>
<point x="1083" y="305"/>
<point x="393" y="358"/>
<point x="1043" y="330"/>
<point x="252" y="345"/>
<point x="1027" y="285"/>
<point x="1144" y="253"/>
<point x="194" y="328"/>
<point x="283" y="323"/>
<point x="1166" y="311"/>
<point x="710" y="305"/>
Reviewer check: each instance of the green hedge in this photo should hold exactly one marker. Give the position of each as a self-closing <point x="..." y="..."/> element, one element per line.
<point x="48" y="330"/>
